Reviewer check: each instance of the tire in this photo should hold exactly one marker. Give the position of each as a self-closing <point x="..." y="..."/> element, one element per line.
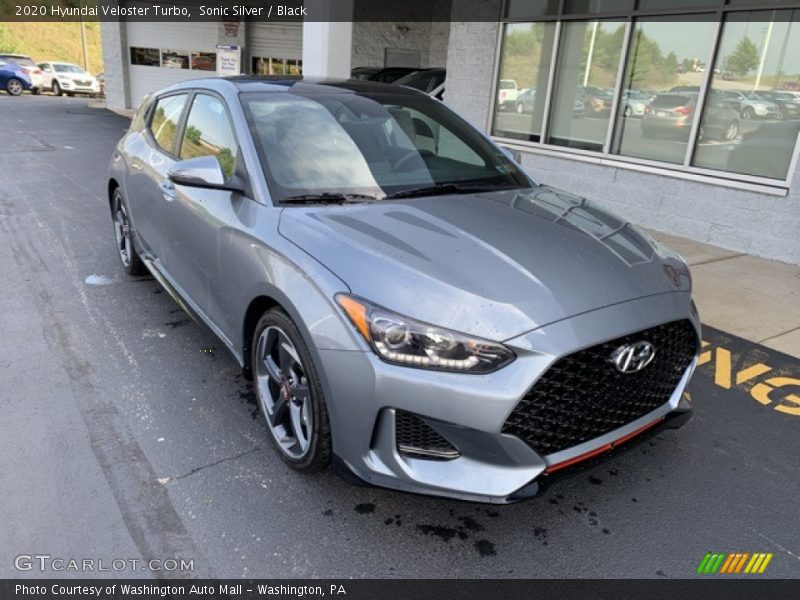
<point x="57" y="89"/>
<point x="289" y="393"/>
<point x="748" y="112"/>
<point x="126" y="246"/>
<point x="14" y="87"/>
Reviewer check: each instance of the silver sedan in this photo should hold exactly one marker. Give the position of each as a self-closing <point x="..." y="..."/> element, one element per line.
<point x="410" y="304"/>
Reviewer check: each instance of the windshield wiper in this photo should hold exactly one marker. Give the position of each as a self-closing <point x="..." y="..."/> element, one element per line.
<point x="445" y="188"/>
<point x="328" y="198"/>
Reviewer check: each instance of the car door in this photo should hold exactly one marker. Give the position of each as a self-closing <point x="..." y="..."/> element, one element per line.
<point x="198" y="219"/>
<point x="150" y="157"/>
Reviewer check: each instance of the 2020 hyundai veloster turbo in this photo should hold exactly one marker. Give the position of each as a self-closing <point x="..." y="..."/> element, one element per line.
<point x="410" y="304"/>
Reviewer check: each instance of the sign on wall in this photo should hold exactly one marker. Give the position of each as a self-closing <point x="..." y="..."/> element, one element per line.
<point x="229" y="60"/>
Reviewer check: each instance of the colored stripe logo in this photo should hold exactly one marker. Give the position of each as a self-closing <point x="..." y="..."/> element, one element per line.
<point x="725" y="563"/>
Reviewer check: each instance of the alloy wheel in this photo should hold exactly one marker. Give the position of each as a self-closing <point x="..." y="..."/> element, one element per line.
<point x="284" y="395"/>
<point x="14" y="87"/>
<point x="122" y="232"/>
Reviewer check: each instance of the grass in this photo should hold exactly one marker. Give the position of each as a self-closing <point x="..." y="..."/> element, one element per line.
<point x="57" y="41"/>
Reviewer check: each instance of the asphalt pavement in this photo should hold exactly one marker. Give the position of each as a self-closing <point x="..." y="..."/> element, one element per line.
<point x="129" y="433"/>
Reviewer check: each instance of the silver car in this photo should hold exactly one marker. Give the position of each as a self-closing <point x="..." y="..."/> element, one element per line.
<point x="411" y="305"/>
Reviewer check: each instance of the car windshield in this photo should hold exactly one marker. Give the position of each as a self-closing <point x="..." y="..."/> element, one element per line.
<point x="67" y="68"/>
<point x="371" y="146"/>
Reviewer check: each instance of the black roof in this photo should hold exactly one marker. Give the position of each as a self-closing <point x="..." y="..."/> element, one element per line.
<point x="311" y="85"/>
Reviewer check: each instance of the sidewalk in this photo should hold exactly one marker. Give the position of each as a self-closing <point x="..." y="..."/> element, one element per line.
<point x="753" y="298"/>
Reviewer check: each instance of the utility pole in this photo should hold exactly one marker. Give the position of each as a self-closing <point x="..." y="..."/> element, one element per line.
<point x="83" y="41"/>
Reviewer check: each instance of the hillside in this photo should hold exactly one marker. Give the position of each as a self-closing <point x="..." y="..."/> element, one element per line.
<point x="53" y="41"/>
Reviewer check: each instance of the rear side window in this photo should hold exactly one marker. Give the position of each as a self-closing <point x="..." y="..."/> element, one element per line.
<point x="208" y="133"/>
<point x="671" y="101"/>
<point x="164" y="123"/>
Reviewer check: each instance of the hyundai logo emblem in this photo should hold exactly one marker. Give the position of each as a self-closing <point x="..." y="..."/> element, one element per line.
<point x="632" y="358"/>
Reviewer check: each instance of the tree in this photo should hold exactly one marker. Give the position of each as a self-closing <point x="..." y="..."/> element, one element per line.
<point x="744" y="58"/>
<point x="193" y="134"/>
<point x="6" y="42"/>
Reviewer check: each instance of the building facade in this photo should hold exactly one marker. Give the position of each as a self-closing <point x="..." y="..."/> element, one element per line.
<point x="682" y="116"/>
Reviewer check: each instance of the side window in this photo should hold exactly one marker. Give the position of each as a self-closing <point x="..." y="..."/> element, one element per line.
<point x="164" y="123"/>
<point x="208" y="133"/>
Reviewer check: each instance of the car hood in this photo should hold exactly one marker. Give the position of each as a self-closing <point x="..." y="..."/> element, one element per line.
<point x="494" y="265"/>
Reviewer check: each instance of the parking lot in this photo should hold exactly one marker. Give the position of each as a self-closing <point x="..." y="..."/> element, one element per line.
<point x="129" y="432"/>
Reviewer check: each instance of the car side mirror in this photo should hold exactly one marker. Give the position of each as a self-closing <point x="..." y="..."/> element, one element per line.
<point x="204" y="172"/>
<point x="512" y="154"/>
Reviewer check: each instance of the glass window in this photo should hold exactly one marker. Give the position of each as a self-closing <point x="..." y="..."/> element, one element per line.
<point x="524" y="69"/>
<point x="204" y="61"/>
<point x="164" y="122"/>
<point x="586" y="75"/>
<point x="173" y="59"/>
<point x="276" y="66"/>
<point x="750" y="121"/>
<point x="374" y="144"/>
<point x="208" y="133"/>
<point x="525" y="9"/>
<point x="149" y="57"/>
<point x="665" y="66"/>
<point x="670" y="4"/>
<point x="597" y="6"/>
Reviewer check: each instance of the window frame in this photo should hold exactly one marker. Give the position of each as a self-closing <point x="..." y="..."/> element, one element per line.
<point x="685" y="169"/>
<point x="194" y="92"/>
<point x="171" y="153"/>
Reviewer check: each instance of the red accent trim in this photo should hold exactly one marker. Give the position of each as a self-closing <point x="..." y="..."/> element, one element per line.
<point x="602" y="449"/>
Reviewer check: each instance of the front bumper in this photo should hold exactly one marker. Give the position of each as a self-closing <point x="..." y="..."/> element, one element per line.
<point x="469" y="411"/>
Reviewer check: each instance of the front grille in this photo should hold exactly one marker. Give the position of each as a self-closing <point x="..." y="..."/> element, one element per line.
<point x="415" y="438"/>
<point x="583" y="395"/>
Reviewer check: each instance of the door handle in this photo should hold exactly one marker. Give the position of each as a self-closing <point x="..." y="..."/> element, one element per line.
<point x="167" y="190"/>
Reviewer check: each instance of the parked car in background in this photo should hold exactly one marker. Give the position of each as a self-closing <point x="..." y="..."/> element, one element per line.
<point x="28" y="66"/>
<point x="14" y="79"/>
<point x="673" y="114"/>
<point x="719" y="122"/>
<point x="507" y="93"/>
<point x="788" y="104"/>
<point x="66" y="78"/>
<point x="382" y="74"/>
<point x="750" y="105"/>
<point x="685" y="88"/>
<point x="635" y="103"/>
<point x="428" y="319"/>
<point x="430" y="81"/>
<point x="670" y="113"/>
<point x="597" y="100"/>
<point x="525" y="101"/>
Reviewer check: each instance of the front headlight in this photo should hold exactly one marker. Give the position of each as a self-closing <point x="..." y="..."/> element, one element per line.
<point x="403" y="341"/>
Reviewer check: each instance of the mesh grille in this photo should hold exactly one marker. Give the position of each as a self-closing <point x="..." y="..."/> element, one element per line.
<point x="416" y="438"/>
<point x="583" y="395"/>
